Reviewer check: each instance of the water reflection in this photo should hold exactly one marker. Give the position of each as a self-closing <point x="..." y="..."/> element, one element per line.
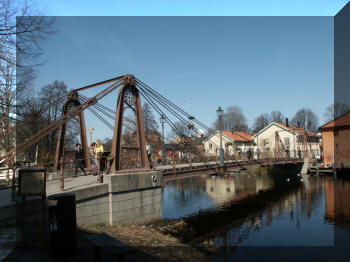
<point x="258" y="210"/>
<point x="338" y="203"/>
<point x="182" y="198"/>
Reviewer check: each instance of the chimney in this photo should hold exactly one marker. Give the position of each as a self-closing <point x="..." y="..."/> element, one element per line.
<point x="287" y="124"/>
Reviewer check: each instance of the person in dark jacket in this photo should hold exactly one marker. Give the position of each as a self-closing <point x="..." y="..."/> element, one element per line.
<point x="79" y="159"/>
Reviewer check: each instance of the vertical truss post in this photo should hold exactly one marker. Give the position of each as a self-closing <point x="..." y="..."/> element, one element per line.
<point x="129" y="97"/>
<point x="72" y="100"/>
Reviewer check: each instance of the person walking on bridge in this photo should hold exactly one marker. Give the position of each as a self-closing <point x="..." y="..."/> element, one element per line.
<point x="99" y="152"/>
<point x="255" y="152"/>
<point x="149" y="153"/>
<point x="79" y="159"/>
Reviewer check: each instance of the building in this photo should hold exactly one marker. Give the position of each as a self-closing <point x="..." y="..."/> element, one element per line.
<point x="179" y="150"/>
<point x="336" y="142"/>
<point x="291" y="138"/>
<point x="231" y="142"/>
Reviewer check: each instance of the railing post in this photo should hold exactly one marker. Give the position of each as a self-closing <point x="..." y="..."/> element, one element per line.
<point x="13" y="187"/>
<point x="173" y="157"/>
<point x="61" y="175"/>
<point x="98" y="170"/>
<point x="190" y="158"/>
<point x="8" y="173"/>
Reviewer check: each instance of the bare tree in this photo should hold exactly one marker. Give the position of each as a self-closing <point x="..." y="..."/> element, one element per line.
<point x="7" y="103"/>
<point x="276" y="116"/>
<point x="47" y="98"/>
<point x="150" y="124"/>
<point x="335" y="110"/>
<point x="305" y="118"/>
<point x="233" y="119"/>
<point x="180" y="128"/>
<point x="260" y="122"/>
<point x="22" y="27"/>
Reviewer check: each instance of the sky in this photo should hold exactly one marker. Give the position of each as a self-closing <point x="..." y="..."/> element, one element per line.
<point x="193" y="7"/>
<point x="257" y="63"/>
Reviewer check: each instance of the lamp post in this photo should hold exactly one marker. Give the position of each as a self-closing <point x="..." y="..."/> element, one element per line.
<point x="220" y="113"/>
<point x="162" y="121"/>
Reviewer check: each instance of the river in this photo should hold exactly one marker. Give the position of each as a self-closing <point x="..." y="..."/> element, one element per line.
<point x="257" y="210"/>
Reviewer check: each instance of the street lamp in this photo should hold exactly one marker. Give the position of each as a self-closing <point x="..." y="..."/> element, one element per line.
<point x="220" y="113"/>
<point x="162" y="121"/>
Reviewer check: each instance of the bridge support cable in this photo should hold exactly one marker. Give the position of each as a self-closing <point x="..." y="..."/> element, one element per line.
<point x="166" y="102"/>
<point x="176" y="114"/>
<point x="107" y="111"/>
<point x="159" y="97"/>
<point x="161" y="113"/>
<point x="101" y="118"/>
<point x="180" y="118"/>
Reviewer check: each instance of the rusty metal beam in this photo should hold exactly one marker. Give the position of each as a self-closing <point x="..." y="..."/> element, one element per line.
<point x="73" y="100"/>
<point x="99" y="83"/>
<point x="59" y="122"/>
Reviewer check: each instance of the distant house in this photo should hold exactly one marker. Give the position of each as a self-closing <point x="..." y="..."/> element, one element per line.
<point x="179" y="150"/>
<point x="231" y="142"/>
<point x="291" y="138"/>
<point x="336" y="141"/>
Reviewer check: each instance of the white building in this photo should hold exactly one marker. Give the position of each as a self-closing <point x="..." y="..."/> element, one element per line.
<point x="291" y="137"/>
<point x="231" y="142"/>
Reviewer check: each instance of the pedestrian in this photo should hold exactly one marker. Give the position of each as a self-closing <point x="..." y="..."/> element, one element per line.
<point x="255" y="151"/>
<point x="93" y="157"/>
<point x="243" y="150"/>
<point x="149" y="153"/>
<point x="249" y="154"/>
<point x="99" y="152"/>
<point x="79" y="159"/>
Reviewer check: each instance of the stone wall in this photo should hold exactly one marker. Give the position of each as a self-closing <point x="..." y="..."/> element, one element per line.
<point x="134" y="198"/>
<point x="122" y="198"/>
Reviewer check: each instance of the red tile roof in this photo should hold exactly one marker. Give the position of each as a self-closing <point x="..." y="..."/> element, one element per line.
<point x="238" y="135"/>
<point x="341" y="121"/>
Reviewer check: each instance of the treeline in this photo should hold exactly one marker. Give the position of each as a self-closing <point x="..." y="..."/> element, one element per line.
<point x="234" y="119"/>
<point x="39" y="112"/>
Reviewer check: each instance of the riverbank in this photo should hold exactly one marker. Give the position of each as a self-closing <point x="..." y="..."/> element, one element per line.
<point x="151" y="240"/>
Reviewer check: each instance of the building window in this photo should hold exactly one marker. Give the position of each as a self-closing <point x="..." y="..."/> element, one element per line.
<point x="336" y="148"/>
<point x="286" y="141"/>
<point x="226" y="145"/>
<point x="336" y="132"/>
<point x="210" y="146"/>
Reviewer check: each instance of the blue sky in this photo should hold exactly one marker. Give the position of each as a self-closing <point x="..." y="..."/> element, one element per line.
<point x="193" y="7"/>
<point x="257" y="63"/>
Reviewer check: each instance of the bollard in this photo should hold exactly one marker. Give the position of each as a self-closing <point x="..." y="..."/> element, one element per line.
<point x="61" y="175"/>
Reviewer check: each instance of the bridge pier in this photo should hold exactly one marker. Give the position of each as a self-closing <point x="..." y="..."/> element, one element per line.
<point x="123" y="198"/>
